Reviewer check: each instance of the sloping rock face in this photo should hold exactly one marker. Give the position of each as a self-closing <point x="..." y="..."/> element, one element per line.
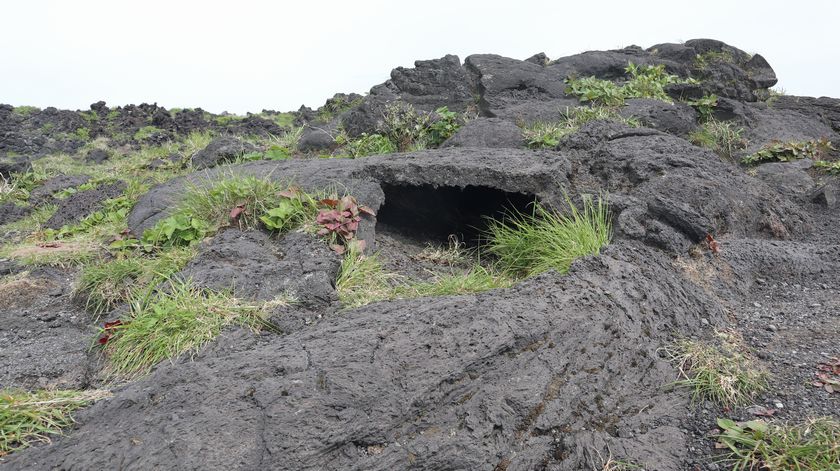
<point x="555" y="373"/>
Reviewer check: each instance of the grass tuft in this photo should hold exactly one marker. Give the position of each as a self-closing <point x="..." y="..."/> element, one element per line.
<point x="362" y="280"/>
<point x="721" y="137"/>
<point x="180" y="320"/>
<point x="108" y="283"/>
<point x="756" y="445"/>
<point x="722" y="372"/>
<point x="31" y="417"/>
<point x="530" y="244"/>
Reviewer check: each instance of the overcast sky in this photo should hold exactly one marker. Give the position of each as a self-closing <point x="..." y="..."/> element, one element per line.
<point x="247" y="55"/>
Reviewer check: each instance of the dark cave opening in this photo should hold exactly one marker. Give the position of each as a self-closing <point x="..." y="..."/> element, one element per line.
<point x="429" y="214"/>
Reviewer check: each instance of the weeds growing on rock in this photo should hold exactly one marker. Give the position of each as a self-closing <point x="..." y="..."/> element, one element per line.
<point x="757" y="445"/>
<point x="778" y="151"/>
<point x="530" y="244"/>
<point x="369" y="144"/>
<point x="476" y="280"/>
<point x="177" y="320"/>
<point x="722" y="137"/>
<point x="645" y="81"/>
<point x="722" y="372"/>
<point x="540" y="134"/>
<point x="828" y="167"/>
<point x="105" y="284"/>
<point x="362" y="280"/>
<point x="31" y="417"/>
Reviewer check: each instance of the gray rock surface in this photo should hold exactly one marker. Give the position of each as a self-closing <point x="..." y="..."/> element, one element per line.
<point x="487" y="132"/>
<point x="221" y="150"/>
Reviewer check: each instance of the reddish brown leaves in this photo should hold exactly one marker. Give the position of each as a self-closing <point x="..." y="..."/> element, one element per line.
<point x="828" y="375"/>
<point x="108" y="330"/>
<point x="714" y="246"/>
<point x="341" y="221"/>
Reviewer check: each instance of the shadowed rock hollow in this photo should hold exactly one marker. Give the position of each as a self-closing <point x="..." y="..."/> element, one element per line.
<point x="555" y="373"/>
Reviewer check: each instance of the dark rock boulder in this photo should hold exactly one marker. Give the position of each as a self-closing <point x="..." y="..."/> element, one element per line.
<point x="789" y="178"/>
<point x="8" y="166"/>
<point x="429" y="85"/>
<point x="317" y="137"/>
<point x="97" y="156"/>
<point x="221" y="150"/>
<point x="11" y="212"/>
<point x="487" y="132"/>
<point x="674" y="118"/>
<point x="257" y="267"/>
<point x="77" y="206"/>
<point x="460" y="382"/>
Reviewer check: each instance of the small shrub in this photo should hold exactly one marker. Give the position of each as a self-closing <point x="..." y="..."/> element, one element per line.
<point x="403" y="126"/>
<point x="705" y="106"/>
<point x="591" y="89"/>
<point x="722" y="137"/>
<point x="83" y="134"/>
<point x="27" y="418"/>
<point x="169" y="323"/>
<point x="778" y="151"/>
<point x="25" y="111"/>
<point x="722" y="372"/>
<point x="340" y="221"/>
<point x="810" y="446"/>
<point x="530" y="244"/>
<point x="444" y="125"/>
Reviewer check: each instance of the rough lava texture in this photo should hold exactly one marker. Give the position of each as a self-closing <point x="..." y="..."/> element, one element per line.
<point x="556" y="373"/>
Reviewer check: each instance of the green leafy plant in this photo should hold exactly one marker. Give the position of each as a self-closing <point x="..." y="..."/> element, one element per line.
<point x="444" y="125"/>
<point x="26" y="111"/>
<point x="645" y="81"/>
<point x="705" y="106"/>
<point x="27" y="418"/>
<point x="778" y="151"/>
<point x="722" y="137"/>
<point x="810" y="446"/>
<point x="706" y="59"/>
<point x="176" y="230"/>
<point x="530" y="244"/>
<point x="828" y="167"/>
<point x="591" y="89"/>
<point x="294" y="209"/>
<point x="722" y="372"/>
<point x="541" y="134"/>
<point x="83" y="134"/>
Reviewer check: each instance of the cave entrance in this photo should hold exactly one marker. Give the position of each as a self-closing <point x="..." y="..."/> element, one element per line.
<point x="428" y="214"/>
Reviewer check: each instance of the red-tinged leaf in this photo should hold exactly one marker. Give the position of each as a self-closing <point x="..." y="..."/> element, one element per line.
<point x="104" y="339"/>
<point x="828" y="388"/>
<point x="347" y="201"/>
<point x="332" y="203"/>
<point x="125" y="231"/>
<point x="360" y="244"/>
<point x="817" y="384"/>
<point x="49" y="245"/>
<point x="352" y="226"/>
<point x="323" y="232"/>
<point x="764" y="412"/>
<point x="366" y="210"/>
<point x="338" y="248"/>
<point x="111" y="325"/>
<point x="235" y="212"/>
<point x="346" y="214"/>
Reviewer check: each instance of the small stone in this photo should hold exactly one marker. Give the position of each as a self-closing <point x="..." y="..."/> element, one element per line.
<point x="704" y="321"/>
<point x="760" y="281"/>
<point x="779" y="405"/>
<point x="771" y="327"/>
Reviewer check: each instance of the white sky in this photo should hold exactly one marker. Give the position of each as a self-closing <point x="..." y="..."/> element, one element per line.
<point x="247" y="55"/>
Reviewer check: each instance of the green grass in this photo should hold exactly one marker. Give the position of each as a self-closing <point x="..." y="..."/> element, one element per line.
<point x="107" y="283"/>
<point x="25" y="111"/>
<point x="369" y="144"/>
<point x="27" y="418"/>
<point x="530" y="244"/>
<point x="180" y="320"/>
<point x="813" y="445"/>
<point x="362" y="280"/>
<point x="722" y="137"/>
<point x="476" y="280"/>
<point x="146" y="132"/>
<point x="723" y="372"/>
<point x="542" y="134"/>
